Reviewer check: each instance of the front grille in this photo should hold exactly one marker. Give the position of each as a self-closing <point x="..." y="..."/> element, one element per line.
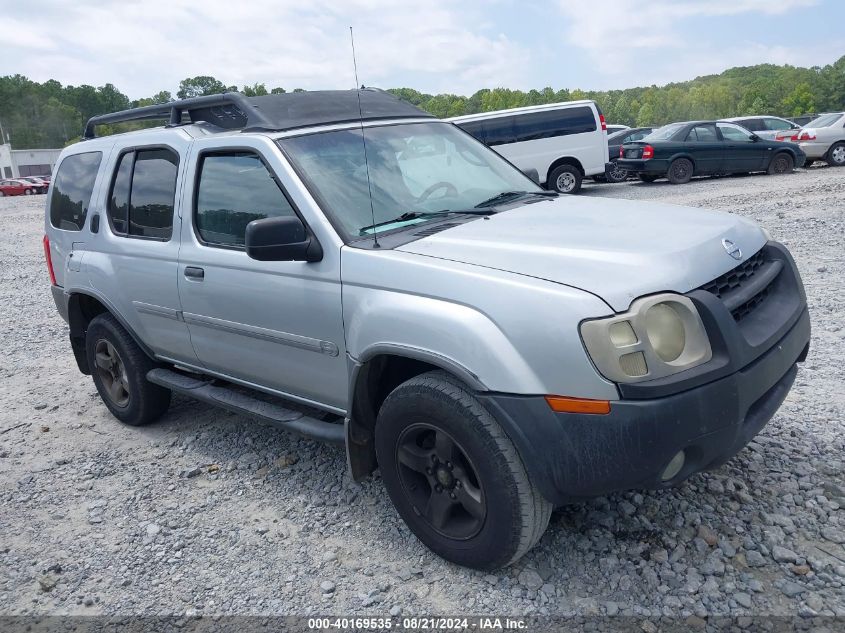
<point x="732" y="282"/>
<point x="733" y="279"/>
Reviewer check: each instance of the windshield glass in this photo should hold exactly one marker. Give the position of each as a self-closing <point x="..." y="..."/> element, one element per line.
<point x="824" y="120"/>
<point x="415" y="168"/>
<point x="662" y="133"/>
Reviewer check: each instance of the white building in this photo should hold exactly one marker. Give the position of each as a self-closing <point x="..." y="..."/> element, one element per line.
<point x="26" y="162"/>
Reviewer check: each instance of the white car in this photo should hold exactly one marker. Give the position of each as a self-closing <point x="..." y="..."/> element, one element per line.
<point x="562" y="142"/>
<point x="772" y="128"/>
<point x="823" y="138"/>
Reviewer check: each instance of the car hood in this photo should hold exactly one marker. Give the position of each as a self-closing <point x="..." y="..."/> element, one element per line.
<point x="616" y="249"/>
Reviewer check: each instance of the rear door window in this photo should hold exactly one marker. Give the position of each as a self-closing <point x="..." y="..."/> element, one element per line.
<point x="143" y="194"/>
<point x="234" y="189"/>
<point x="778" y="124"/>
<point x="72" y="189"/>
<point x="753" y="125"/>
<point x="702" y="134"/>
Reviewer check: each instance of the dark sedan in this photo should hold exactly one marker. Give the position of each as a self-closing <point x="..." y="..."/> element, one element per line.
<point x="679" y="151"/>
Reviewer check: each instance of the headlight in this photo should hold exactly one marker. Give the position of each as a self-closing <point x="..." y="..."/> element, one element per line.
<point x="660" y="335"/>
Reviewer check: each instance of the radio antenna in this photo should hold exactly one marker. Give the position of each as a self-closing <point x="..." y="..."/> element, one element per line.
<point x="364" y="140"/>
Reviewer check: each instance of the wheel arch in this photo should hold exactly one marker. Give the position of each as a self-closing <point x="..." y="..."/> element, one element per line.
<point x="564" y="160"/>
<point x="379" y="371"/>
<point x="83" y="307"/>
<point x="686" y="155"/>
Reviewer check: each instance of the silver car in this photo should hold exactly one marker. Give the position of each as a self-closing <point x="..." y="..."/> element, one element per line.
<point x="343" y="265"/>
<point x="823" y="138"/>
<point x="772" y="128"/>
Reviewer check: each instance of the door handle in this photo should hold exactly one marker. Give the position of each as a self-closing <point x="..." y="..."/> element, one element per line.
<point x="194" y="272"/>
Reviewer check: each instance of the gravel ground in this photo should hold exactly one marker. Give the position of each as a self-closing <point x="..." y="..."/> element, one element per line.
<point x="209" y="513"/>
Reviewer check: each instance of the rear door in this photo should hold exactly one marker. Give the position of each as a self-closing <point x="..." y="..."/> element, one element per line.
<point x="742" y="154"/>
<point x="705" y="145"/>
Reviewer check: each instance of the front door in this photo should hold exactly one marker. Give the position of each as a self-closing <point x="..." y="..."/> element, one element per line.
<point x="706" y="148"/>
<point x="742" y="153"/>
<point x="274" y="325"/>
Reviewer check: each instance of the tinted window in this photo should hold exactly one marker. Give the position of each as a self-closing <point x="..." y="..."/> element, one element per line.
<point x="702" y="134"/>
<point x="234" y="190"/>
<point x="153" y="193"/>
<point x="537" y="125"/>
<point x="119" y="199"/>
<point x="734" y="133"/>
<point x="778" y="124"/>
<point x="143" y="193"/>
<point x="753" y="125"/>
<point x="72" y="189"/>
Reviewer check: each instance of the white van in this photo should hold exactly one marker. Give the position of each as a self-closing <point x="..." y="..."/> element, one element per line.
<point x="563" y="142"/>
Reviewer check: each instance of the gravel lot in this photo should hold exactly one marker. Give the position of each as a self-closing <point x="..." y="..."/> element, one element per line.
<point x="209" y="513"/>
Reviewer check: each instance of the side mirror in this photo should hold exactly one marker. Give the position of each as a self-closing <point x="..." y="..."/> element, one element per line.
<point x="533" y="175"/>
<point x="755" y="138"/>
<point x="281" y="239"/>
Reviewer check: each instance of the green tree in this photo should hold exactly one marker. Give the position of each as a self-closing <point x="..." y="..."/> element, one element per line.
<point x="201" y="86"/>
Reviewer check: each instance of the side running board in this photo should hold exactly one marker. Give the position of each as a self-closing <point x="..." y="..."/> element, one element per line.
<point x="239" y="402"/>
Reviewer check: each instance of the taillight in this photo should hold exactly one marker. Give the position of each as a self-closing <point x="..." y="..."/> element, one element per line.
<point x="806" y="136"/>
<point x="49" y="259"/>
<point x="648" y="152"/>
<point x="603" y="123"/>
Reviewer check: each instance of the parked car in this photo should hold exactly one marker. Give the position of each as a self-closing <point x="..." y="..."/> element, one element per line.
<point x="803" y="120"/>
<point x="771" y="128"/>
<point x="562" y="142"/>
<point x="614" y="172"/>
<point x="493" y="348"/>
<point x="679" y="151"/>
<point x="613" y="128"/>
<point x="40" y="185"/>
<point x="824" y="139"/>
<point x="14" y="187"/>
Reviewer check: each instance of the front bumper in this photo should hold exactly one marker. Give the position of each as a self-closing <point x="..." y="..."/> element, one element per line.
<point x="710" y="412"/>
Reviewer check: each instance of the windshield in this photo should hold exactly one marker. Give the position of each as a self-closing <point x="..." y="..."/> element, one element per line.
<point x="662" y="133"/>
<point x="824" y="120"/>
<point x="415" y="169"/>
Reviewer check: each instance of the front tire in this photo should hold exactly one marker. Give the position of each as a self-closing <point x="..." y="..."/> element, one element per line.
<point x="836" y="155"/>
<point x="781" y="163"/>
<point x="453" y="475"/>
<point x="680" y="171"/>
<point x="119" y="369"/>
<point x="28" y="192"/>
<point x="565" y="179"/>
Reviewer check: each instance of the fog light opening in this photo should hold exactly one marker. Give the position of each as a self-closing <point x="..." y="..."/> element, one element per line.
<point x="674" y="467"/>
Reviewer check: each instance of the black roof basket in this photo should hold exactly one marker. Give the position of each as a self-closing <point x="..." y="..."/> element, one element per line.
<point x="232" y="110"/>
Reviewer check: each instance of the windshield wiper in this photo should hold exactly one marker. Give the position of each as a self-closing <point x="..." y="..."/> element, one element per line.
<point x="415" y="215"/>
<point x="512" y="195"/>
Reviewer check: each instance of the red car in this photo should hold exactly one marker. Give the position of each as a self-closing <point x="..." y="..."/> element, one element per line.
<point x="17" y="188"/>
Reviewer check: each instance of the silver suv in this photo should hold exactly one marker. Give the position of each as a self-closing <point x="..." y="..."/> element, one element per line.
<point x="378" y="278"/>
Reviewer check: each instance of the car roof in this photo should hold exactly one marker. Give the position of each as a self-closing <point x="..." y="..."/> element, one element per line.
<point x="523" y="110"/>
<point x="753" y="116"/>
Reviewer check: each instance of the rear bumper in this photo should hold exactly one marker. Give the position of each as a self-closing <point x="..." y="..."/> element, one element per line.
<point x="813" y="149"/>
<point x="651" y="167"/>
<point x="571" y="456"/>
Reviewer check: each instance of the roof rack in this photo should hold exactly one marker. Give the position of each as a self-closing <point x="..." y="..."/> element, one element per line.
<point x="232" y="110"/>
<point x="228" y="110"/>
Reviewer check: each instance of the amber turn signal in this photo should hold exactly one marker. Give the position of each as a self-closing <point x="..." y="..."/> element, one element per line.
<point x="564" y="404"/>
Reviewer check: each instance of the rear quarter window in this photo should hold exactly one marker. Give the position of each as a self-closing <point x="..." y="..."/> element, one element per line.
<point x="72" y="189"/>
<point x="551" y="123"/>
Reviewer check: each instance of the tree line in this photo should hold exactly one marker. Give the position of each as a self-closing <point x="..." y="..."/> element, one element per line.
<point x="48" y="114"/>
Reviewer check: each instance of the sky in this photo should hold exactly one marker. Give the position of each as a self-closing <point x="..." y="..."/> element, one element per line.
<point x="434" y="46"/>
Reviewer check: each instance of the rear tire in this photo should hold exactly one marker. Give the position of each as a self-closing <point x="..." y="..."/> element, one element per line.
<point x="28" y="192"/>
<point x="781" y="163"/>
<point x="836" y="155"/>
<point x="119" y="369"/>
<point x="648" y="177"/>
<point x="565" y="179"/>
<point x="680" y="171"/>
<point x="614" y="173"/>
<point x="453" y="475"/>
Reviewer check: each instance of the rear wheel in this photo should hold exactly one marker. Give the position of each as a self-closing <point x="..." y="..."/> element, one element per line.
<point x="453" y="475"/>
<point x="615" y="173"/>
<point x="680" y="171"/>
<point x="119" y="368"/>
<point x="781" y="164"/>
<point x="836" y="155"/>
<point x="28" y="192"/>
<point x="648" y="177"/>
<point x="565" y="179"/>
<point x="2" y="194"/>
